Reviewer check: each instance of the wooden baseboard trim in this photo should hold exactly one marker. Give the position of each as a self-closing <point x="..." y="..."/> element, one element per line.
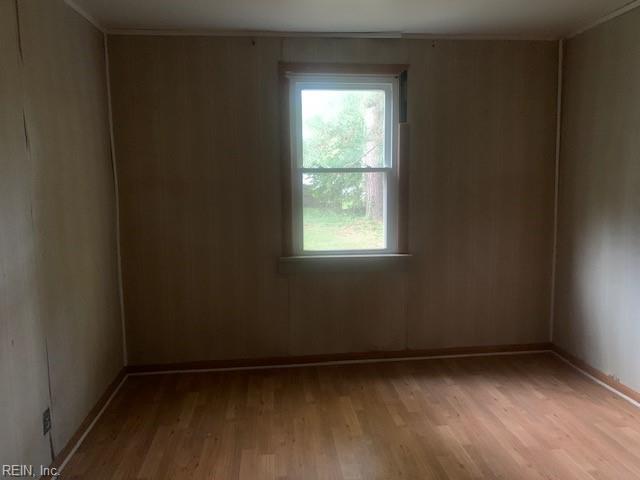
<point x="333" y="359"/>
<point x="87" y="424"/>
<point x="608" y="381"/>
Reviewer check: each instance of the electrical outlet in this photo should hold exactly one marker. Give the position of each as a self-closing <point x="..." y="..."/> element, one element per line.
<point x="46" y="421"/>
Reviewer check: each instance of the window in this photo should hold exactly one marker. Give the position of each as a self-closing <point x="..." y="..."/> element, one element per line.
<point x="344" y="166"/>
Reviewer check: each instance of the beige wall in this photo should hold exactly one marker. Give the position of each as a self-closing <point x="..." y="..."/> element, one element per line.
<point x="23" y="369"/>
<point x="597" y="315"/>
<point x="197" y="143"/>
<point x="58" y="242"/>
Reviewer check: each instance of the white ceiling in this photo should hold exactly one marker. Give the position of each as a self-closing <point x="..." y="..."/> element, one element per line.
<point x="517" y="18"/>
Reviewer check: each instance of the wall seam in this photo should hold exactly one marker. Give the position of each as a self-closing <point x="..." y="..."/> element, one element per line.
<point x="19" y="33"/>
<point x="114" y="166"/>
<point x="556" y="193"/>
<point x="289" y="346"/>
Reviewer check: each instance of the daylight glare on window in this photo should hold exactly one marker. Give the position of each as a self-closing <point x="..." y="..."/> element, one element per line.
<point x="343" y="129"/>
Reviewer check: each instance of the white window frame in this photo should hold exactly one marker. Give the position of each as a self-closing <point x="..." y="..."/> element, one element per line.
<point x="390" y="85"/>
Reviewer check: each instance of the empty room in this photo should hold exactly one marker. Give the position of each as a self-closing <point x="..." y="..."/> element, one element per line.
<point x="320" y="239"/>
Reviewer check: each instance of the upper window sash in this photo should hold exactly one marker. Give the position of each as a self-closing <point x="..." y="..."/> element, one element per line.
<point x="386" y="83"/>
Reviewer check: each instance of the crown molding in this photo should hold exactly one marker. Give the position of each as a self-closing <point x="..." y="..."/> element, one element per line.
<point x="86" y="15"/>
<point x="610" y="16"/>
<point x="334" y="35"/>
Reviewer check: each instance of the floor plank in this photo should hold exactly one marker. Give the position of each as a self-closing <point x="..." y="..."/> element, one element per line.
<point x="504" y="417"/>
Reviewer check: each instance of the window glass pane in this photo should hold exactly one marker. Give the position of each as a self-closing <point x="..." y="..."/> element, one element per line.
<point x="343" y="211"/>
<point x="343" y="128"/>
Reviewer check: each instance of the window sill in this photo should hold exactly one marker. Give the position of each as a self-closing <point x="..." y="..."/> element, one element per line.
<point x="344" y="263"/>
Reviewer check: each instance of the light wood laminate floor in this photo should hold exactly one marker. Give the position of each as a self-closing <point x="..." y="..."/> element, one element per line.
<point x="503" y="417"/>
